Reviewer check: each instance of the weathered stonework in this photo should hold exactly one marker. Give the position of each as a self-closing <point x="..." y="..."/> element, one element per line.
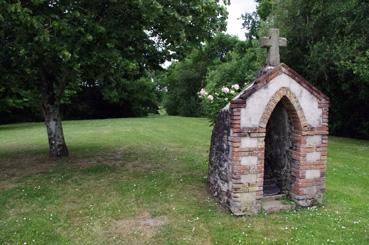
<point x="219" y="163"/>
<point x="278" y="126"/>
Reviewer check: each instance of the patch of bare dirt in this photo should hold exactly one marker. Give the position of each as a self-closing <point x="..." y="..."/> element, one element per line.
<point x="118" y="158"/>
<point x="19" y="166"/>
<point x="13" y="168"/>
<point x="143" y="227"/>
<point x="6" y="185"/>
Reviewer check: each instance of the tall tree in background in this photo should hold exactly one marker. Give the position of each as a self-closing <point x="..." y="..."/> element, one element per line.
<point x="185" y="78"/>
<point x="48" y="48"/>
<point x="328" y="43"/>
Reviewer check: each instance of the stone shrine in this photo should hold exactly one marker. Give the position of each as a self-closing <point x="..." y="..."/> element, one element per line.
<point x="270" y="141"/>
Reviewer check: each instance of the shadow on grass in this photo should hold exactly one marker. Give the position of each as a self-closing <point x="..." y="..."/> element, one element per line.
<point x="139" y="158"/>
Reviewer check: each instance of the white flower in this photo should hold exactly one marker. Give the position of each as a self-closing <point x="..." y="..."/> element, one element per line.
<point x="236" y="86"/>
<point x="232" y="91"/>
<point x="210" y="97"/>
<point x="203" y="92"/>
<point x="225" y="90"/>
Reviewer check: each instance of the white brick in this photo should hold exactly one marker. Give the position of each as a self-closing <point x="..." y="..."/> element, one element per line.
<point x="314" y="140"/>
<point x="249" y="178"/>
<point x="249" y="161"/>
<point x="312" y="174"/>
<point x="249" y="142"/>
<point x="312" y="156"/>
<point x="310" y="191"/>
<point x="247" y="198"/>
<point x="243" y="118"/>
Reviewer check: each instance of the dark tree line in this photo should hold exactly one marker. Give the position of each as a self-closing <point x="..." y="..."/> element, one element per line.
<point x="328" y="43"/>
<point x="222" y="61"/>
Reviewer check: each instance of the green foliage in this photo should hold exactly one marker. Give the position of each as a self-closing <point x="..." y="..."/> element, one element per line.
<point x="185" y="78"/>
<point x="140" y="95"/>
<point x="138" y="98"/>
<point x="224" y="61"/>
<point x="328" y="43"/>
<point x="50" y="48"/>
<point x="251" y="24"/>
<point x="215" y="100"/>
<point x="240" y="69"/>
<point x="265" y="8"/>
<point x="336" y="51"/>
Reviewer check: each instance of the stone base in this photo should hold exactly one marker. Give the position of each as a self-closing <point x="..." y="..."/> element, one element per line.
<point x="244" y="203"/>
<point x="305" y="201"/>
<point x="247" y="204"/>
<point x="276" y="204"/>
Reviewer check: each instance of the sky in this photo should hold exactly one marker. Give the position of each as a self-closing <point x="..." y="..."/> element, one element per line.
<point x="236" y="9"/>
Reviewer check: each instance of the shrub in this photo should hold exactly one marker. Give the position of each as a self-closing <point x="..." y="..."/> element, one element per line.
<point x="214" y="101"/>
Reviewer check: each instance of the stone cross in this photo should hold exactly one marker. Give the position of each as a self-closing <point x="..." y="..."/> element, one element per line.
<point x="272" y="43"/>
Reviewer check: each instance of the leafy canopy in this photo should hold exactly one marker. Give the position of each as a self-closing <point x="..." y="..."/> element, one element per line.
<point x="52" y="48"/>
<point x="185" y="78"/>
<point x="328" y="42"/>
<point x="57" y="45"/>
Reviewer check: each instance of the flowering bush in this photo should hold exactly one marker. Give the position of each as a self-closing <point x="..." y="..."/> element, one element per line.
<point x="215" y="101"/>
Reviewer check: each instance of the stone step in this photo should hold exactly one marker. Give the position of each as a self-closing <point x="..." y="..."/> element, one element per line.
<point x="275" y="205"/>
<point x="274" y="197"/>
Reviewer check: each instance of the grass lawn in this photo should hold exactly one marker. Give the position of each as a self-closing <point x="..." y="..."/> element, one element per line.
<point x="143" y="181"/>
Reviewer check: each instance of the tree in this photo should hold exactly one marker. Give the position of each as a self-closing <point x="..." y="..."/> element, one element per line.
<point x="240" y="68"/>
<point x="138" y="98"/>
<point x="224" y="80"/>
<point x="48" y="47"/>
<point x="185" y="78"/>
<point x="328" y="43"/>
<point x="252" y="21"/>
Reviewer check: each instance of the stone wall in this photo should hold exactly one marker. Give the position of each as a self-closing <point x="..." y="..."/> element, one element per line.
<point x="219" y="159"/>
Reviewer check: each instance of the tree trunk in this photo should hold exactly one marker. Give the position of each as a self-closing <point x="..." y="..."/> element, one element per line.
<point x="57" y="146"/>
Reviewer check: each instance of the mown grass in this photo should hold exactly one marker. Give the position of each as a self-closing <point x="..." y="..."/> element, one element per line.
<point x="123" y="169"/>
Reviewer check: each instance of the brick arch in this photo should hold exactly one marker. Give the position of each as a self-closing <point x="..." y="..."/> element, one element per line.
<point x="290" y="101"/>
<point x="296" y="115"/>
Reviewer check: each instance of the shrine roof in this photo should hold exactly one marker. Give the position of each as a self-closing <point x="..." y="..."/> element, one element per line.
<point x="274" y="72"/>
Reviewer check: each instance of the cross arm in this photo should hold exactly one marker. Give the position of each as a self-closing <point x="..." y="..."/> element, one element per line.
<point x="265" y="42"/>
<point x="282" y="42"/>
